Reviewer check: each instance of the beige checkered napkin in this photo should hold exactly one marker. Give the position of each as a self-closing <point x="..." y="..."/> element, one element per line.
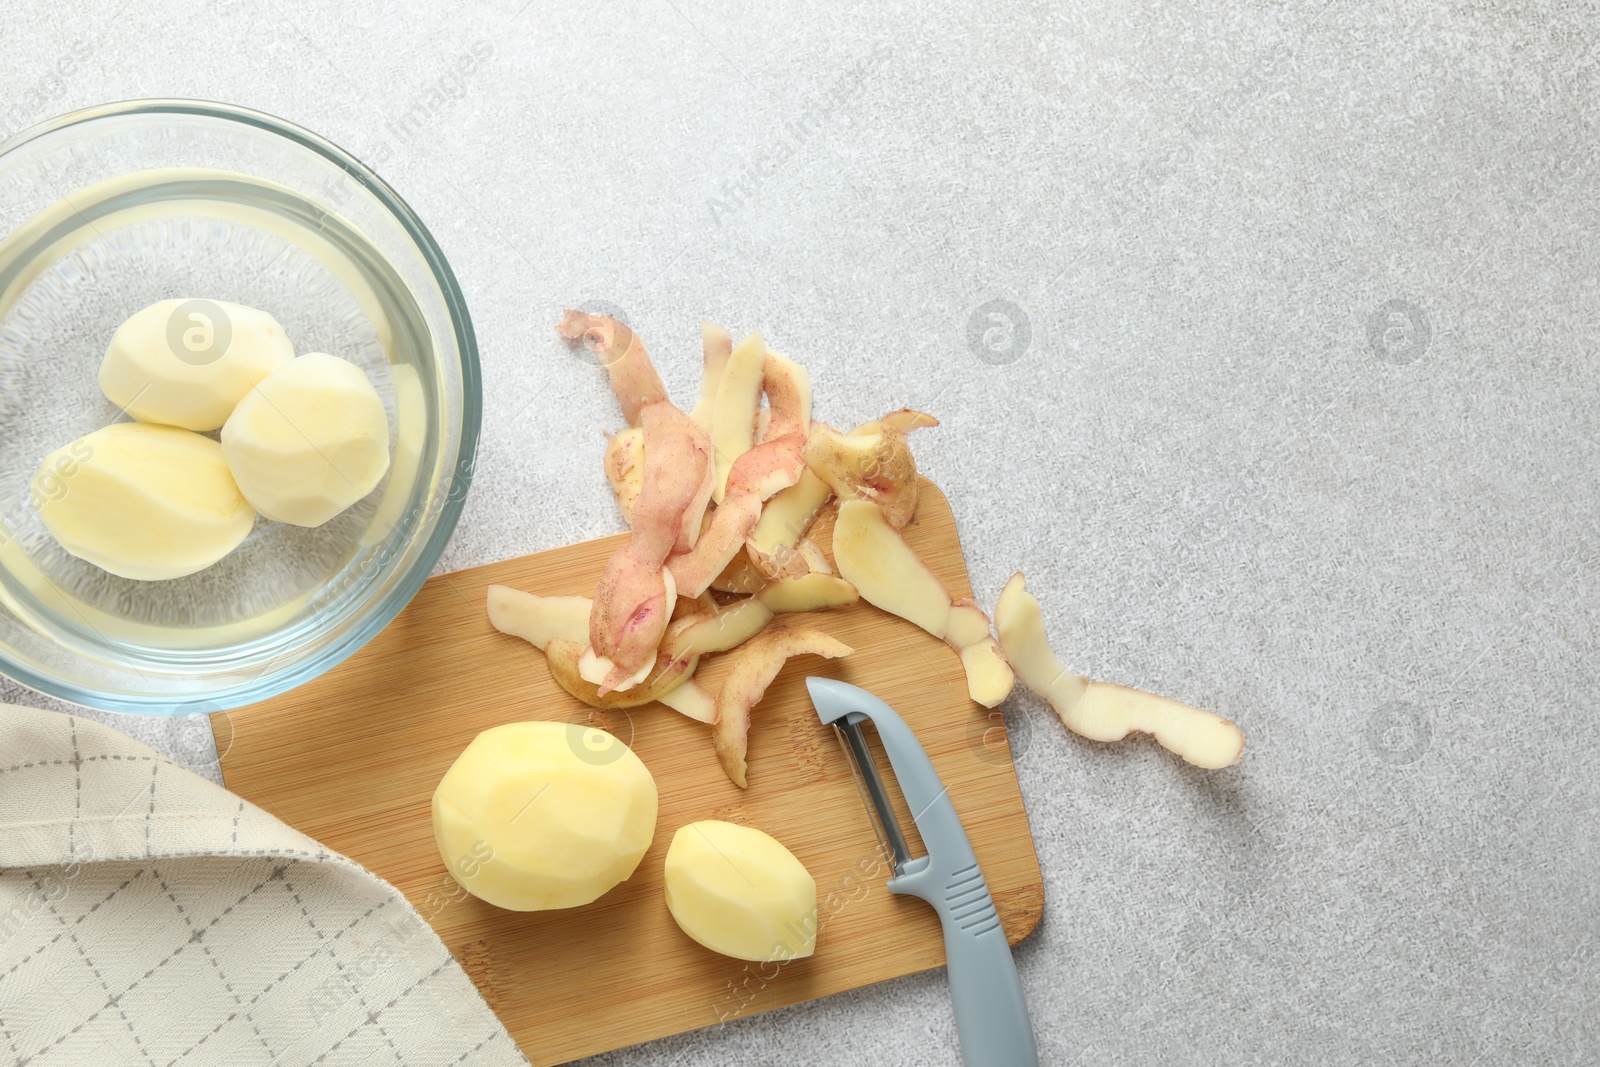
<point x="148" y="916"/>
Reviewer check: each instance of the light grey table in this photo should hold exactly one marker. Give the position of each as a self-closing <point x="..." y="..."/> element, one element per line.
<point x="1264" y="338"/>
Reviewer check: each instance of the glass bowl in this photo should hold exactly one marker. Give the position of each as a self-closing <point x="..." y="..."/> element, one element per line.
<point x="108" y="210"/>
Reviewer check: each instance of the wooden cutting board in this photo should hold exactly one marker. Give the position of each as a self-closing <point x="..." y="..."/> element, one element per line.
<point x="353" y="757"/>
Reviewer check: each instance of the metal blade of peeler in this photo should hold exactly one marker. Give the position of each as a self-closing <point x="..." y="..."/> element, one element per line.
<point x="865" y="770"/>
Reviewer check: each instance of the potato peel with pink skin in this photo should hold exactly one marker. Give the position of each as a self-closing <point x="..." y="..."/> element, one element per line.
<point x="773" y="465"/>
<point x="788" y="515"/>
<point x="631" y="612"/>
<point x="755" y="664"/>
<point x="677" y="480"/>
<point x="690" y="523"/>
<point x="631" y="603"/>
<point x="875" y="466"/>
<point x="633" y="377"/>
<point x="731" y="521"/>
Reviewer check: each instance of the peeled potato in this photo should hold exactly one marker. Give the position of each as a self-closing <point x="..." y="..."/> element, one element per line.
<point x="739" y="892"/>
<point x="186" y="363"/>
<point x="141" y="501"/>
<point x="540" y="815"/>
<point x="308" y="441"/>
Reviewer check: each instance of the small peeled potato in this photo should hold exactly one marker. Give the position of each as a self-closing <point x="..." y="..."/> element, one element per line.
<point x="308" y="441"/>
<point x="739" y="892"/>
<point x="540" y="815"/>
<point x="141" y="501"/>
<point x="186" y="363"/>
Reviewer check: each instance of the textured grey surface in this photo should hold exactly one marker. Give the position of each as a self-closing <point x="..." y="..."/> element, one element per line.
<point x="1305" y="431"/>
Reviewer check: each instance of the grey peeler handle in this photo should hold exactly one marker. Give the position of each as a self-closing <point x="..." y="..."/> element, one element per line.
<point x="991" y="1016"/>
<point x="991" y="1013"/>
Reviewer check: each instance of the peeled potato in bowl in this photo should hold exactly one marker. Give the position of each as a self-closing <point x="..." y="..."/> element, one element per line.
<point x="186" y="363"/>
<point x="308" y="441"/>
<point x="143" y="502"/>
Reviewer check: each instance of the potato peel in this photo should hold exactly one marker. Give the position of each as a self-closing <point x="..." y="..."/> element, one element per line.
<point x="704" y="604"/>
<point x="990" y="678"/>
<point x="624" y="466"/>
<point x="689" y="698"/>
<point x="740" y="576"/>
<point x="564" y="622"/>
<point x="875" y="558"/>
<point x="872" y="462"/>
<point x="564" y="657"/>
<point x="774" y="464"/>
<point x="632" y="607"/>
<point x="632" y="602"/>
<point x="717" y="345"/>
<point x="784" y="521"/>
<point x="755" y="665"/>
<point x="728" y="627"/>
<point x="812" y="556"/>
<point x="903" y="421"/>
<point x="809" y="592"/>
<point x="1102" y="711"/>
<point x="877" y="467"/>
<point x="538" y="619"/>
<point x="733" y="624"/>
<point x="734" y="408"/>
<point x="633" y="377"/>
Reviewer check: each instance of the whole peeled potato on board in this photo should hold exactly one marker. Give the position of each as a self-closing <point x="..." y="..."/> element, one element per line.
<point x="738" y="891"/>
<point x="540" y="815"/>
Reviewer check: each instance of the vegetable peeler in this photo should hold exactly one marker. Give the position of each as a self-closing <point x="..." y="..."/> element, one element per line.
<point x="991" y="1012"/>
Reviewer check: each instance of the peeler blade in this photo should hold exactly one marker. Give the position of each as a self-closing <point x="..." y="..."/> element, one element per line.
<point x="891" y="839"/>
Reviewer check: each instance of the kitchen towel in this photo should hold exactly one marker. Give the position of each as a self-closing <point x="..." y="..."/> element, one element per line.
<point x="148" y="916"/>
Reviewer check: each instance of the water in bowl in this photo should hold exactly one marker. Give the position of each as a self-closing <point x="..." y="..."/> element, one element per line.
<point x="222" y="238"/>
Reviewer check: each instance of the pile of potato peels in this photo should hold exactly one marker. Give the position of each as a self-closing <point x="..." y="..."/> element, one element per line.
<point x="719" y="502"/>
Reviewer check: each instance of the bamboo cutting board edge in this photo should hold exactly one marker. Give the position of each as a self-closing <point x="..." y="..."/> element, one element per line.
<point x="354" y="754"/>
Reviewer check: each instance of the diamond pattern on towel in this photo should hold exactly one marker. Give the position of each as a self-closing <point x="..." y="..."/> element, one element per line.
<point x="149" y="917"/>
